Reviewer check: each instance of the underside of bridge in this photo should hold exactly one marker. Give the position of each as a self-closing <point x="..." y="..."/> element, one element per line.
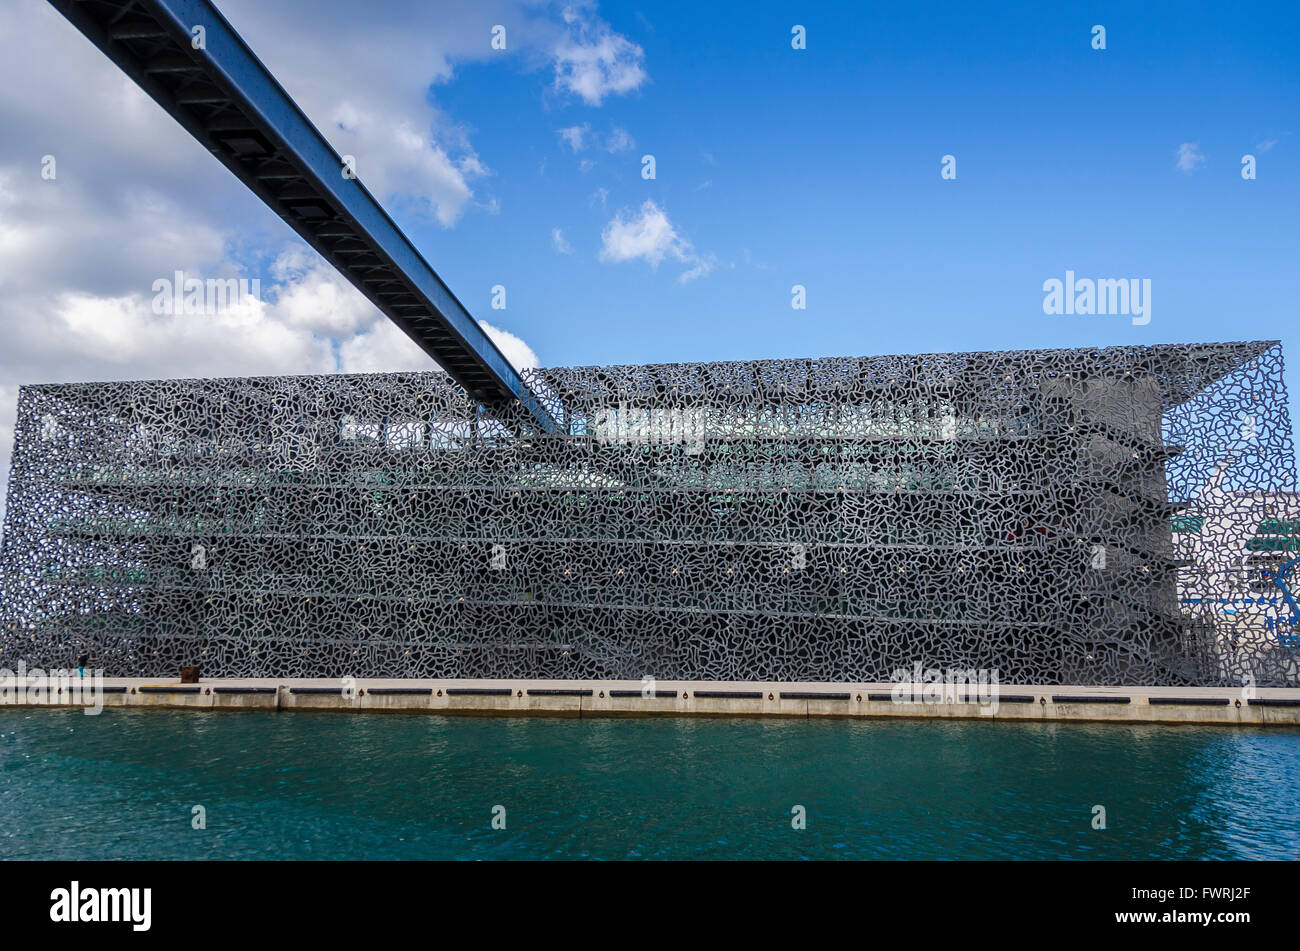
<point x="188" y="58"/>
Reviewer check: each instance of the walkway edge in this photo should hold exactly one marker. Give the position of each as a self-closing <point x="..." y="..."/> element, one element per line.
<point x="1197" y="705"/>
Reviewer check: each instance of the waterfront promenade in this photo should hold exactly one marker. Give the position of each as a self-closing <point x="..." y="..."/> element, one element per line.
<point x="629" y="698"/>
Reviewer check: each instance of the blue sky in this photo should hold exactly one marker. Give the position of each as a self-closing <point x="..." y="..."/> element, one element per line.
<point x="774" y="167"/>
<point x="821" y="167"/>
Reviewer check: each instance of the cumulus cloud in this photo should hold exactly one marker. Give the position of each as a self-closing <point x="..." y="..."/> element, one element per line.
<point x="377" y="108"/>
<point x="313" y="296"/>
<point x="593" y="62"/>
<point x="404" y="165"/>
<point x="649" y="235"/>
<point x="1189" y="157"/>
<point x="381" y="347"/>
<point x="512" y="347"/>
<point x="561" y="243"/>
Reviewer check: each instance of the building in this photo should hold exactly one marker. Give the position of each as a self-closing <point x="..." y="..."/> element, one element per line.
<point x="827" y="520"/>
<point x="1233" y="544"/>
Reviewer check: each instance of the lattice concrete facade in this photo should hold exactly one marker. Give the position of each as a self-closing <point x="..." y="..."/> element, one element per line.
<point x="824" y="520"/>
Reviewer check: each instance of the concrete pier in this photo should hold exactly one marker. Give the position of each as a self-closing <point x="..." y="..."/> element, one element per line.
<point x="575" y="698"/>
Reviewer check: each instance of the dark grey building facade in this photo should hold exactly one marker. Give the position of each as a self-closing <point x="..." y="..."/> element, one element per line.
<point x="812" y="520"/>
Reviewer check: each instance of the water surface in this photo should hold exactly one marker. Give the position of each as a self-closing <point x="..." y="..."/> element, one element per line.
<point x="338" y="786"/>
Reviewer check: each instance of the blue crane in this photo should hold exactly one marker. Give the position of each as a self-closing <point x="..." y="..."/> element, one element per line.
<point x="1280" y="577"/>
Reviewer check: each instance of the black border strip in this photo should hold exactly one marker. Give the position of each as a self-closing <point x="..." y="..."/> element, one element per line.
<point x="400" y="691"/>
<point x="244" y="689"/>
<point x="477" y="691"/>
<point x="188" y="688"/>
<point x="1188" y="701"/>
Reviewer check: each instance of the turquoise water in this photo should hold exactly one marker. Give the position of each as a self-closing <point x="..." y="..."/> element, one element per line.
<point x="333" y="786"/>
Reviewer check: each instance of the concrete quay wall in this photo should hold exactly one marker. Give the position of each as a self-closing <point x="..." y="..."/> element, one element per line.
<point x="1201" y="705"/>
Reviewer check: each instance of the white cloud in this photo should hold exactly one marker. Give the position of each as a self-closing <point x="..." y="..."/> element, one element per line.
<point x="579" y="138"/>
<point x="561" y="243"/>
<point x="381" y="348"/>
<point x="649" y="236"/>
<point x="312" y="295"/>
<point x="512" y="347"/>
<point x="619" y="140"/>
<point x="123" y="334"/>
<point x="699" y="267"/>
<point x="593" y="62"/>
<point x="1189" y="157"/>
<point x="575" y="136"/>
<point x="1265" y="145"/>
<point x="408" y="152"/>
<point x="404" y="166"/>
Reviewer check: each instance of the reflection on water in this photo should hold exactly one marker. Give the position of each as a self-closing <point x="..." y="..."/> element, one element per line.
<point x="326" y="786"/>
